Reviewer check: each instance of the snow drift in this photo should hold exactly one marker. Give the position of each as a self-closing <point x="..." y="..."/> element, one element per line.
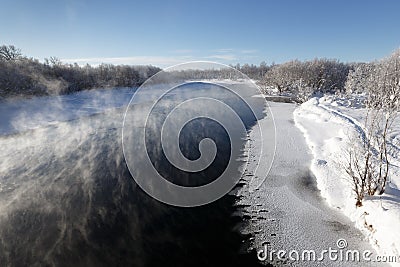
<point x="329" y="124"/>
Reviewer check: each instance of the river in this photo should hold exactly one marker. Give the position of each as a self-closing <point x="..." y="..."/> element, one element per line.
<point x="67" y="197"/>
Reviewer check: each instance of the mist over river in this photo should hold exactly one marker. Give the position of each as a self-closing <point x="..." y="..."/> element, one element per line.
<point x="67" y="197"/>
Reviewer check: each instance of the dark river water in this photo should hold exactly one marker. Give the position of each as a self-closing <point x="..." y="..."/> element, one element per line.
<point x="67" y="198"/>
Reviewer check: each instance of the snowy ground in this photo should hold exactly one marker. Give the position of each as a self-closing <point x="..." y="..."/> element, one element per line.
<point x="286" y="211"/>
<point x="328" y="124"/>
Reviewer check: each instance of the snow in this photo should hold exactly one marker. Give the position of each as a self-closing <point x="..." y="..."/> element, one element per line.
<point x="329" y="124"/>
<point x="283" y="205"/>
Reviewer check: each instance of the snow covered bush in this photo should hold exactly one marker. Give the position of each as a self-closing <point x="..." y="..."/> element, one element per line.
<point x="368" y="164"/>
<point x="304" y="79"/>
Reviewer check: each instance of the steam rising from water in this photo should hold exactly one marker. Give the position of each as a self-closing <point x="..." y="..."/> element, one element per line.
<point x="67" y="196"/>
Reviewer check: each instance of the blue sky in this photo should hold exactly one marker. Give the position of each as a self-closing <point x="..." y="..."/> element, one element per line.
<point x="168" y="32"/>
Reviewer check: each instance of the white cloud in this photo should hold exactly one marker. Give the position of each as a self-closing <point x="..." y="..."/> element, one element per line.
<point x="138" y="60"/>
<point x="183" y="51"/>
<point x="160" y="61"/>
<point x="250" y="51"/>
<point x="227" y="57"/>
<point x="224" y="50"/>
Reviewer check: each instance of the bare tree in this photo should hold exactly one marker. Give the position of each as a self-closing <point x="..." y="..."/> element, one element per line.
<point x="52" y="61"/>
<point x="368" y="165"/>
<point x="9" y="52"/>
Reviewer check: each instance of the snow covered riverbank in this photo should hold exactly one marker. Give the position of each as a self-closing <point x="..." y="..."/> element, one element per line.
<point x="328" y="124"/>
<point x="285" y="211"/>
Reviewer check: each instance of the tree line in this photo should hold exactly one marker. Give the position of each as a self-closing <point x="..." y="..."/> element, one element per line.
<point x="20" y="75"/>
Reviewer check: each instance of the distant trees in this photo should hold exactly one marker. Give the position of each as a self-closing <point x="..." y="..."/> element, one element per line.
<point x="305" y="78"/>
<point x="20" y="75"/>
<point x="302" y="79"/>
<point x="253" y="71"/>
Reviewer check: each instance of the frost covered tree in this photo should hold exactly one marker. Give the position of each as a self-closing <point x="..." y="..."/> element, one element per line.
<point x="20" y="75"/>
<point x="368" y="164"/>
<point x="303" y="79"/>
<point x="9" y="52"/>
<point x="281" y="76"/>
<point x="358" y="78"/>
